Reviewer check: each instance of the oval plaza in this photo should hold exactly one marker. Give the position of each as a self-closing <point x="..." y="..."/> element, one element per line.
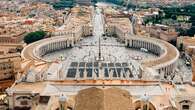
<point x="163" y="64"/>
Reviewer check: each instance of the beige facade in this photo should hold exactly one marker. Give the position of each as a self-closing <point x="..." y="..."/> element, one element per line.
<point x="77" y="33"/>
<point x="164" y="33"/>
<point x="65" y="40"/>
<point x="9" y="66"/>
<point x="186" y="43"/>
<point x="11" y="34"/>
<point x="165" y="64"/>
<point x="119" y="26"/>
<point x="40" y="94"/>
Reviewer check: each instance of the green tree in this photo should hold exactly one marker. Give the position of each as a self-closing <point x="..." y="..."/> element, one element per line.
<point x="34" y="36"/>
<point x="191" y="31"/>
<point x="64" y="4"/>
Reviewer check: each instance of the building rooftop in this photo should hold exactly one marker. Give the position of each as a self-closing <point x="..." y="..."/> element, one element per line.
<point x="78" y="17"/>
<point x="159" y="94"/>
<point x="123" y="23"/>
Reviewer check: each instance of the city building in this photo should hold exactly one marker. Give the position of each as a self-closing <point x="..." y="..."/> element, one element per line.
<point x="186" y="43"/>
<point x="96" y="58"/>
<point x="9" y="68"/>
<point x="163" y="32"/>
<point x="11" y="34"/>
<point x="77" y="24"/>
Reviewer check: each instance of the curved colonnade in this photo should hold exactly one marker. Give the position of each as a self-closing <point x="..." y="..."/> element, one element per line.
<point x="36" y="50"/>
<point x="61" y="40"/>
<point x="167" y="54"/>
<point x="164" y="64"/>
<point x="53" y="45"/>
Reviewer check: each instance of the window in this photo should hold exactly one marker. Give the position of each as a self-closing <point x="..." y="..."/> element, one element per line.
<point x="24" y="102"/>
<point x="185" y="104"/>
<point x="44" y="99"/>
<point x="185" y="107"/>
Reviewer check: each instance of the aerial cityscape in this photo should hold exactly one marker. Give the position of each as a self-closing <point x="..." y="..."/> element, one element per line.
<point x="97" y="54"/>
